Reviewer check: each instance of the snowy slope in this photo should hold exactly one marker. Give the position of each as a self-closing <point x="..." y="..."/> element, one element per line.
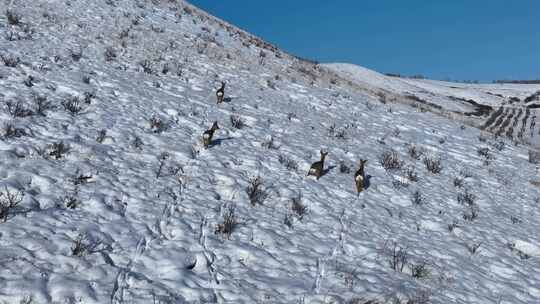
<point x="510" y="110"/>
<point x="132" y="209"/>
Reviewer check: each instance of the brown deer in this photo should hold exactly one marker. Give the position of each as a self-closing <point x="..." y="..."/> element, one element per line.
<point x="220" y="93"/>
<point x="317" y="168"/>
<point x="208" y="134"/>
<point x="359" y="177"/>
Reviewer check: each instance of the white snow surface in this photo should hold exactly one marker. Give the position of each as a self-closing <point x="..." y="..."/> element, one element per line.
<point x="147" y="200"/>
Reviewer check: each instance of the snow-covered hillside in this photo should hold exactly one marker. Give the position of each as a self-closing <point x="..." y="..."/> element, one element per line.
<point x="509" y="110"/>
<point x="108" y="195"/>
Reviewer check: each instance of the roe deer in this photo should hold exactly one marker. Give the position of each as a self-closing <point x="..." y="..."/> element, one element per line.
<point x="359" y="177"/>
<point x="220" y="93"/>
<point x="317" y="168"/>
<point x="208" y="134"/>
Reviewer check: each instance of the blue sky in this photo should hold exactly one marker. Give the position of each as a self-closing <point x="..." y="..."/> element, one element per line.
<point x="442" y="39"/>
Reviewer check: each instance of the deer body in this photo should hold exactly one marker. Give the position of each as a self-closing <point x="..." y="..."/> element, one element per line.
<point x="220" y="93"/>
<point x="317" y="168"/>
<point x="359" y="177"/>
<point x="208" y="134"/>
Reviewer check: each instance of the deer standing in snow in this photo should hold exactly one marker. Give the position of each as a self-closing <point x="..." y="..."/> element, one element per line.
<point x="359" y="177"/>
<point x="208" y="134"/>
<point x="220" y="93"/>
<point x="317" y="168"/>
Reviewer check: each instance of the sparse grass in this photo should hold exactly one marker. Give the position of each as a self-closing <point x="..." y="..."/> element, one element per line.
<point x="298" y="207"/>
<point x="433" y="165"/>
<point x="72" y="105"/>
<point x="256" y="191"/>
<point x="288" y="163"/>
<point x="237" y="122"/>
<point x="415" y="153"/>
<point x="18" y="109"/>
<point x="389" y="160"/>
<point x="229" y="222"/>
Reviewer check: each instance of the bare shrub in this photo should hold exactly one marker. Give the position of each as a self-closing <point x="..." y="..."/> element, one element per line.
<point x="237" y="122"/>
<point x="417" y="198"/>
<point x="466" y="198"/>
<point x="389" y="160"/>
<point x="471" y="213"/>
<point x="453" y="225"/>
<point x="88" y="96"/>
<point x="290" y="164"/>
<point x="298" y="207"/>
<point x="522" y="255"/>
<point x="71" y="200"/>
<point x="415" y="153"/>
<point x="484" y="152"/>
<point x="157" y="125"/>
<point x="18" y="109"/>
<point x="343" y="168"/>
<point x="147" y="66"/>
<point x="420" y="271"/>
<point x="10" y="61"/>
<point x="13" y="18"/>
<point x="29" y="81"/>
<point x="399" y="257"/>
<point x="269" y="143"/>
<point x="137" y="143"/>
<point x="473" y="248"/>
<point x="534" y="157"/>
<point x="256" y="191"/>
<point x="84" y="245"/>
<point x="229" y="222"/>
<point x="10" y="131"/>
<point x="72" y="105"/>
<point x="77" y="54"/>
<point x="42" y="105"/>
<point x="101" y="136"/>
<point x="58" y="149"/>
<point x="339" y="133"/>
<point x="459" y="182"/>
<point x="433" y="165"/>
<point x="8" y="201"/>
<point x="410" y="173"/>
<point x="110" y="53"/>
<point x="162" y="159"/>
